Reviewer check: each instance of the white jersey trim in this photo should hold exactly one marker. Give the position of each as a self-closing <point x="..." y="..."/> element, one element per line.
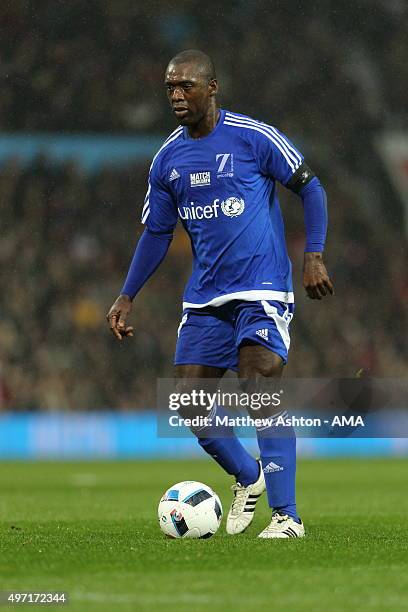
<point x="293" y="154"/>
<point x="252" y="295"/>
<point x="173" y="136"/>
<point x="278" y="145"/>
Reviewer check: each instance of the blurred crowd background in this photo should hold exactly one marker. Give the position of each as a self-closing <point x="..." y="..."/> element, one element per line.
<point x="332" y="76"/>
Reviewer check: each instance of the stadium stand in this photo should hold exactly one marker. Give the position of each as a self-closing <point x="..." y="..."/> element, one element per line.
<point x="67" y="236"/>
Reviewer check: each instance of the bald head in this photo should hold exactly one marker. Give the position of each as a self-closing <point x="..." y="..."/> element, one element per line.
<point x="191" y="88"/>
<point x="202" y="63"/>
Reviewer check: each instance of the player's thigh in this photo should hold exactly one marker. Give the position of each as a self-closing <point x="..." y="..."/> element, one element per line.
<point x="205" y="349"/>
<point x="193" y="371"/>
<point x="205" y="345"/>
<point x="262" y="337"/>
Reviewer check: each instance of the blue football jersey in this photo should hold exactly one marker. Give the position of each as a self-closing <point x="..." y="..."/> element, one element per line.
<point x="223" y="189"/>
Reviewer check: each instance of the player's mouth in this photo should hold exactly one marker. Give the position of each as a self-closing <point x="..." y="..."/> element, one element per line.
<point x="180" y="112"/>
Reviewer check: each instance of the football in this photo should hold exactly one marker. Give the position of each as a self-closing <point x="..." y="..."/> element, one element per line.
<point x="190" y="509"/>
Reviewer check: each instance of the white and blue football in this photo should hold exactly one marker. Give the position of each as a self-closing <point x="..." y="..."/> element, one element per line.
<point x="190" y="509"/>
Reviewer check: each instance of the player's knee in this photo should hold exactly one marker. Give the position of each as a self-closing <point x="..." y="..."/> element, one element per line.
<point x="252" y="380"/>
<point x="256" y="363"/>
<point x="192" y="385"/>
<point x="183" y="388"/>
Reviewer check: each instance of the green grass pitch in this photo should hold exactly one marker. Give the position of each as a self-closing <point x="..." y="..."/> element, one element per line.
<point x="91" y="529"/>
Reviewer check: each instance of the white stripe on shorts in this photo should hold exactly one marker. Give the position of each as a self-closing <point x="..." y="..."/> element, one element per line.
<point x="281" y="322"/>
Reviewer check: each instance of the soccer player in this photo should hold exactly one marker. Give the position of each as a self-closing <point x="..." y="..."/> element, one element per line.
<point x="217" y="172"/>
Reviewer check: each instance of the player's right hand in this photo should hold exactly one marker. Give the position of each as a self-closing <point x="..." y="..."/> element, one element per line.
<point x="117" y="316"/>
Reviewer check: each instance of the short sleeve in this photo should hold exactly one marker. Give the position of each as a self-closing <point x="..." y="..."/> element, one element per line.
<point x="277" y="157"/>
<point x="159" y="212"/>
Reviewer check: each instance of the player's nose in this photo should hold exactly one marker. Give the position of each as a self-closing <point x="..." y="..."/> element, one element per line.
<point x="177" y="94"/>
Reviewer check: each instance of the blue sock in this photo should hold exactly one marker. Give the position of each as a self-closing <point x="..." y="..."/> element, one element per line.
<point x="228" y="451"/>
<point x="278" y="456"/>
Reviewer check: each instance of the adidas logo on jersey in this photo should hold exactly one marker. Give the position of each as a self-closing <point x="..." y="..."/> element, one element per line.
<point x="174" y="175"/>
<point x="263" y="333"/>
<point x="272" y="467"/>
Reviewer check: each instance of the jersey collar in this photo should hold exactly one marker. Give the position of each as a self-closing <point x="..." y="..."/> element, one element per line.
<point x="211" y="134"/>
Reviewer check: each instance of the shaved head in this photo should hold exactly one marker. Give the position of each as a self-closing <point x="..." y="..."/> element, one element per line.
<point x="201" y="61"/>
<point x="192" y="87"/>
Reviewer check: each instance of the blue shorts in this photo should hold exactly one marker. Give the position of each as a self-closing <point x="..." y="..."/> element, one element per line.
<point x="212" y="335"/>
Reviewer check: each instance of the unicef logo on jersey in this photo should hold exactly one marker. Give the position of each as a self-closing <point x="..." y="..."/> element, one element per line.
<point x="232" y="207"/>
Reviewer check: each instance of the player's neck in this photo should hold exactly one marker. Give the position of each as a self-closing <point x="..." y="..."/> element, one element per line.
<point x="206" y="125"/>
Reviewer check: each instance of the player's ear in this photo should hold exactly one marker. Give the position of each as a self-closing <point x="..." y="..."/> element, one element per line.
<point x="213" y="87"/>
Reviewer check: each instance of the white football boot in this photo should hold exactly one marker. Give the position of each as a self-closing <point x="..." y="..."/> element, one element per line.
<point x="283" y="526"/>
<point x="242" y="508"/>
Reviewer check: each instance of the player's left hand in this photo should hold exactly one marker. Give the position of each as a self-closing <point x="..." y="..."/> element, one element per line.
<point x="316" y="280"/>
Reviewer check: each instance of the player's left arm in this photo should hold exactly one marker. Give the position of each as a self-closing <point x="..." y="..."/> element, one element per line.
<point x="280" y="160"/>
<point x="304" y="183"/>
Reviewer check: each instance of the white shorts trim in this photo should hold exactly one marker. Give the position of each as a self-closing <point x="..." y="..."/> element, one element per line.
<point x="254" y="295"/>
<point x="281" y="321"/>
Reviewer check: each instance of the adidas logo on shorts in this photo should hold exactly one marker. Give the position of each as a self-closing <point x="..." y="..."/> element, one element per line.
<point x="263" y="333"/>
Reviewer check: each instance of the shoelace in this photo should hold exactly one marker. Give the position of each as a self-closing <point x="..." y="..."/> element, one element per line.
<point x="276" y="520"/>
<point x="240" y="497"/>
<point x="279" y="518"/>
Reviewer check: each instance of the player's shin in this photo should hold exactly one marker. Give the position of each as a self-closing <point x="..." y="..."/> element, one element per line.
<point x="277" y="445"/>
<point x="221" y="443"/>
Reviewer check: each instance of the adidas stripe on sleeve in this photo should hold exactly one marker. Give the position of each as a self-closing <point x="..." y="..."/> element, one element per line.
<point x="159" y="212"/>
<point x="277" y="157"/>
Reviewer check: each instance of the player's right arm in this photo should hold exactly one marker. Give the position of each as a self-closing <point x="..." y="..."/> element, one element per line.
<point x="159" y="215"/>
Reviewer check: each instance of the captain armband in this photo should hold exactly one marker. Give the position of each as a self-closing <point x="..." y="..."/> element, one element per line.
<point x="300" y="178"/>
